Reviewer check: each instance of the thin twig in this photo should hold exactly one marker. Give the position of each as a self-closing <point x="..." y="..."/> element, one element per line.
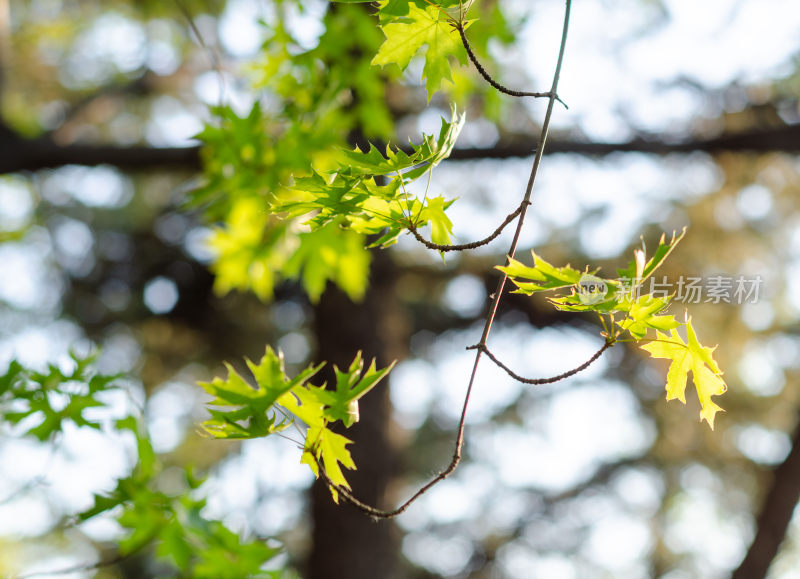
<point x="483" y="72"/>
<point x="463" y="246"/>
<point x="213" y="56"/>
<point x="540" y="381"/>
<point x="526" y="201"/>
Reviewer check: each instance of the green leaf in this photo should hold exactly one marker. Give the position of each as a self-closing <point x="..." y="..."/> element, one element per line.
<point x="640" y="268"/>
<point x="341" y="196"/>
<point x="174" y="545"/>
<point x="305" y="404"/>
<point x="35" y="393"/>
<point x="642" y="315"/>
<point x="330" y="447"/>
<point x="250" y="418"/>
<point x="249" y="249"/>
<point x="543" y="276"/>
<point x="685" y="357"/>
<point x="342" y="403"/>
<point x="317" y="406"/>
<point x="146" y="515"/>
<point x="331" y="253"/>
<point x="352" y="198"/>
<point x="441" y="226"/>
<point x="7" y="380"/>
<point x="429" y="153"/>
<point x="393" y="8"/>
<point x="407" y="35"/>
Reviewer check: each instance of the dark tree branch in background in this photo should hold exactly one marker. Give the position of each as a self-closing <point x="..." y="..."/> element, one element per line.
<point x="783" y="139"/>
<point x="776" y="513"/>
<point x="18" y="154"/>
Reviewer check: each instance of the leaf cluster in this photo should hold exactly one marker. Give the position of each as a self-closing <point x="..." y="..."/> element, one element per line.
<point x="276" y="402"/>
<point x="190" y="543"/>
<point x="275" y="218"/>
<point x="41" y="402"/>
<point x="308" y="107"/>
<point x="368" y="193"/>
<point x="626" y="311"/>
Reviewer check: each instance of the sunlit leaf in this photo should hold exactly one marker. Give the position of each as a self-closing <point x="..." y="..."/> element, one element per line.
<point x="685" y="357"/>
<point x="641" y="268"/>
<point x="242" y="409"/>
<point x="422" y="27"/>
<point x="330" y="253"/>
<point x="330" y="447"/>
<point x="342" y="403"/>
<point x="543" y="276"/>
<point x="429" y="153"/>
<point x="434" y="213"/>
<point x="643" y="314"/>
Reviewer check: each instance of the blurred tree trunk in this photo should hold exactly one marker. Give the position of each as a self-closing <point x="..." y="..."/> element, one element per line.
<point x="776" y="514"/>
<point x="347" y="544"/>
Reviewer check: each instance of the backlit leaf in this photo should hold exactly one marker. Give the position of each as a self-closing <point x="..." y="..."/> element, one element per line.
<point x="643" y="314"/>
<point x="243" y="409"/>
<point x="685" y="357"/>
<point x="330" y="447"/>
<point x="543" y="276"/>
<point x="342" y="403"/>
<point x="422" y="27"/>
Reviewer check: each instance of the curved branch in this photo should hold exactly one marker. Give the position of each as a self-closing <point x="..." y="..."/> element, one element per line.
<point x="473" y="245"/>
<point x="515" y="93"/>
<point x="540" y="381"/>
<point x="375" y="512"/>
<point x="526" y="201"/>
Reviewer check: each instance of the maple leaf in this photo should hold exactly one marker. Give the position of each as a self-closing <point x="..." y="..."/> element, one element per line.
<point x="640" y="270"/>
<point x="316" y="406"/>
<point x="330" y="253"/>
<point x="429" y="153"/>
<point x="321" y="443"/>
<point x="243" y="408"/>
<point x="342" y="403"/>
<point x="685" y="357"/>
<point x="544" y="276"/>
<point x="324" y="444"/>
<point x="643" y="314"/>
<point x="441" y="226"/>
<point x="429" y="27"/>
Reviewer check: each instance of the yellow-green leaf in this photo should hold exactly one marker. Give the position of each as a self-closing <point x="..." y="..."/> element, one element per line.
<point x="244" y="411"/>
<point x="422" y="27"/>
<point x="643" y="314"/>
<point x="324" y="444"/>
<point x="685" y="357"/>
<point x="543" y="275"/>
<point x="441" y="226"/>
